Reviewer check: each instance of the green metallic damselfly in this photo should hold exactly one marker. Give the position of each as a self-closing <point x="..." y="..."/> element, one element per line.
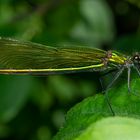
<point x="17" y="57"/>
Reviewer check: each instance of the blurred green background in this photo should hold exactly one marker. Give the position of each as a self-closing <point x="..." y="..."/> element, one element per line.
<point x="34" y="107"/>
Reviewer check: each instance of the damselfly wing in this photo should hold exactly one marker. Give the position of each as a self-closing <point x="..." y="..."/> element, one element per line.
<point x="18" y="57"/>
<point x="25" y="57"/>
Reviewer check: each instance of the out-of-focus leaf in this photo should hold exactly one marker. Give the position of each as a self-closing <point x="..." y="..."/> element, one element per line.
<point x="135" y="2"/>
<point x="113" y="128"/>
<point x="97" y="26"/>
<point x="44" y="133"/>
<point x="128" y="44"/>
<point x="14" y="91"/>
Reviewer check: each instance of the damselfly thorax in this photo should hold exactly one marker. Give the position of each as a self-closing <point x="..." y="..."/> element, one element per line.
<point x="122" y="62"/>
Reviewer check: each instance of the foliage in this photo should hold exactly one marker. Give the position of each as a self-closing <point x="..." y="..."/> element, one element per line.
<point x="93" y="109"/>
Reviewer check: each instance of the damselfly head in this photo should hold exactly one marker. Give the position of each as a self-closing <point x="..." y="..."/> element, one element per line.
<point x="136" y="58"/>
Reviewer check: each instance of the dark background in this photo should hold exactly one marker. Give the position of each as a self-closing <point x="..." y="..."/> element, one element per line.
<point x="34" y="107"/>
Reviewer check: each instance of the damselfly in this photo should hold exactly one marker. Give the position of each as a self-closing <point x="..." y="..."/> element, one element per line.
<point x="17" y="57"/>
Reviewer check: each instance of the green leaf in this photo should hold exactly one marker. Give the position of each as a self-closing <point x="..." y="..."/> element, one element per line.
<point x="80" y="117"/>
<point x="117" y="128"/>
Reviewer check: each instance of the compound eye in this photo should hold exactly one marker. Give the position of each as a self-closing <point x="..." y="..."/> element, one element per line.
<point x="136" y="59"/>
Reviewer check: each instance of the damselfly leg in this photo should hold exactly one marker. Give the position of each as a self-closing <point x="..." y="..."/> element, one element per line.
<point x="128" y="79"/>
<point x="138" y="72"/>
<point x="110" y="85"/>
